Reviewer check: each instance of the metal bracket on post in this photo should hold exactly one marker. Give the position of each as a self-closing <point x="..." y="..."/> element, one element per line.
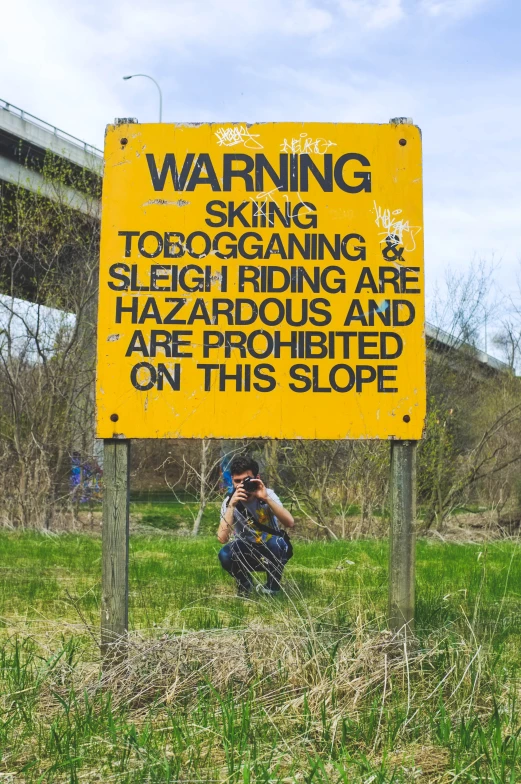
<point x="402" y="536"/>
<point x="401" y="121"/>
<point x="115" y="546"/>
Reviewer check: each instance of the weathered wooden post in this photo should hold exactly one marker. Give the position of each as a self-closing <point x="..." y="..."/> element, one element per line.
<point x="115" y="536"/>
<point x="402" y="536"/>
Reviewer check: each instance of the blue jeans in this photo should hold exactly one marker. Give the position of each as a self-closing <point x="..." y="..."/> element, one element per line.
<point x="241" y="558"/>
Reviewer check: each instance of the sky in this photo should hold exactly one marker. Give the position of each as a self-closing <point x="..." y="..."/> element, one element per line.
<point x="454" y="66"/>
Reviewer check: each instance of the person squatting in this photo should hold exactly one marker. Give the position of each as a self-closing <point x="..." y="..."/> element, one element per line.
<point x="251" y="516"/>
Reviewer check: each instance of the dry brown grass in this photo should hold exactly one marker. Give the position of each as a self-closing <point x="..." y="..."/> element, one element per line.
<point x="287" y="667"/>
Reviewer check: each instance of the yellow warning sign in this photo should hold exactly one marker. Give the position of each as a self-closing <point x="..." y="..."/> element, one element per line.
<point x="261" y="281"/>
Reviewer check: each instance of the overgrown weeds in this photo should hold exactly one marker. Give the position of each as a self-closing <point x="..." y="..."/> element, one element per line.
<point x="278" y="702"/>
<point x="307" y="688"/>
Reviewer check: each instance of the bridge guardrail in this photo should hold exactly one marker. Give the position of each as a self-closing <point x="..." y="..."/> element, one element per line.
<point x="68" y="137"/>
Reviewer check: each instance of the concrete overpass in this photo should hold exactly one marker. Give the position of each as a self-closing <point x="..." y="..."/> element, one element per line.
<point x="441" y="342"/>
<point x="25" y="143"/>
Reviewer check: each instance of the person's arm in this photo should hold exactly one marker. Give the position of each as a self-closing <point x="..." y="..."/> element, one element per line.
<point x="226" y="523"/>
<point x="283" y="516"/>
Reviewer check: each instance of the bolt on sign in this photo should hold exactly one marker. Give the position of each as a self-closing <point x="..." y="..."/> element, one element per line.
<point x="262" y="281"/>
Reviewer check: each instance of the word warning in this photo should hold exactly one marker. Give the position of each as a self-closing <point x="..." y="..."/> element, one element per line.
<point x="261" y="281"/>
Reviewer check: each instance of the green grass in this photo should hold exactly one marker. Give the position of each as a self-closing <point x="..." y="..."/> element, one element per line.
<point x="172" y="515"/>
<point x="305" y="688"/>
<point x="163" y="511"/>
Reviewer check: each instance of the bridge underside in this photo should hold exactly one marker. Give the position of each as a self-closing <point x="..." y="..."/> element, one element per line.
<point x="46" y="164"/>
<point x="25" y="150"/>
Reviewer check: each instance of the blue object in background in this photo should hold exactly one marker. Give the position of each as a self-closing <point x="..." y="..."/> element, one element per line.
<point x="85" y="480"/>
<point x="227" y="484"/>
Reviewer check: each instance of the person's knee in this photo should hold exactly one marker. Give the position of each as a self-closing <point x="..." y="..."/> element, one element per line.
<point x="225" y="557"/>
<point x="278" y="548"/>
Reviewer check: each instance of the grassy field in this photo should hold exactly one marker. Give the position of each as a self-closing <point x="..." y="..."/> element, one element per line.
<point x="308" y="687"/>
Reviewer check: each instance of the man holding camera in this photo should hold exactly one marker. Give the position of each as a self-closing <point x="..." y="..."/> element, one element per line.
<point x="254" y="515"/>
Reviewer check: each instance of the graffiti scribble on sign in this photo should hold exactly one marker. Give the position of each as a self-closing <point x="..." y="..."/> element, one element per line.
<point x="261" y="203"/>
<point x="396" y="230"/>
<point x="305" y="144"/>
<point x="239" y="134"/>
<point x="261" y="199"/>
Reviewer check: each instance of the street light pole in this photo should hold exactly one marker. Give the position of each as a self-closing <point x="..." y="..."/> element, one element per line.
<point x="146" y="76"/>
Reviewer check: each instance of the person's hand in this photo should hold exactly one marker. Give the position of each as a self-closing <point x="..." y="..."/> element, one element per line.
<point x="239" y="495"/>
<point x="261" y="491"/>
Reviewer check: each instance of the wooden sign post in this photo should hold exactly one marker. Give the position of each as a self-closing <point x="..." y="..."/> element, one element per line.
<point x="115" y="545"/>
<point x="402" y="537"/>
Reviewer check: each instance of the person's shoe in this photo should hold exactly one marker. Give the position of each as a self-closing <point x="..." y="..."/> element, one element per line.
<point x="266" y="591"/>
<point x="243" y="591"/>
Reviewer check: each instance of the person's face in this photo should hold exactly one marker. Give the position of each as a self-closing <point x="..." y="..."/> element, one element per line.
<point x="238" y="478"/>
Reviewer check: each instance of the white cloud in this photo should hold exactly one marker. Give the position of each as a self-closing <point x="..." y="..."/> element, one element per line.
<point x="373" y="13"/>
<point x="326" y="97"/>
<point x="452" y="9"/>
<point x="304" y="20"/>
<point x="228" y="26"/>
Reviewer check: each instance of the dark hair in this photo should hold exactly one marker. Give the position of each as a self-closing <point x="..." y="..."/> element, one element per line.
<point x="243" y="463"/>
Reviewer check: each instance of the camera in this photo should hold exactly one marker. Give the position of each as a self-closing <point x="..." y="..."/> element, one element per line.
<point x="250" y="485"/>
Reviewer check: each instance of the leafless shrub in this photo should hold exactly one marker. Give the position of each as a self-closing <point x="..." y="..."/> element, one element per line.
<point x="48" y="279"/>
